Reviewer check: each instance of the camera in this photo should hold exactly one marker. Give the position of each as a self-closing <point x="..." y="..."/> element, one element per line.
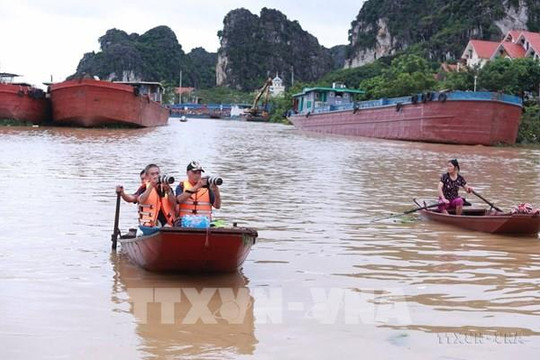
<point x="165" y="179"/>
<point x="213" y="180"/>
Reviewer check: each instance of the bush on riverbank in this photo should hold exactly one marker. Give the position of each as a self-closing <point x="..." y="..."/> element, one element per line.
<point x="529" y="128"/>
<point x="14" y="122"/>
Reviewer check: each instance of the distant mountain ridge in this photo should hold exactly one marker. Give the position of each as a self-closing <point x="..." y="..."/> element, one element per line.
<point x="439" y="29"/>
<point x="252" y="49"/>
<point x="255" y="47"/>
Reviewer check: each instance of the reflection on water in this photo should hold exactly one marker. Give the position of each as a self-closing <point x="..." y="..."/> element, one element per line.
<point x="311" y="198"/>
<point x="185" y="317"/>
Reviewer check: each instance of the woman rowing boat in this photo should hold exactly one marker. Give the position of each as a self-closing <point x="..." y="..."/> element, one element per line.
<point x="449" y="189"/>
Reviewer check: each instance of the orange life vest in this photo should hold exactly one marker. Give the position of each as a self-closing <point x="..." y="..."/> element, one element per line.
<point x="198" y="203"/>
<point x="149" y="212"/>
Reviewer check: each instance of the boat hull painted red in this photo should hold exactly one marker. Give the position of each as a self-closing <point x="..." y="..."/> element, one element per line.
<point x="456" y="122"/>
<point x="93" y="103"/>
<point x="191" y="250"/>
<point x="490" y="222"/>
<point x="24" y="104"/>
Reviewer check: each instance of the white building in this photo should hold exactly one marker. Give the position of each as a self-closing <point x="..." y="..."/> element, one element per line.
<point x="277" y="87"/>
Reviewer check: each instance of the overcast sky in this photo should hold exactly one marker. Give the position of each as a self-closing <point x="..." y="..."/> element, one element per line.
<point x="40" y="38"/>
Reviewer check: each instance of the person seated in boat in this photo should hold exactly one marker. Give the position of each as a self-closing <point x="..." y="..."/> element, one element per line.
<point x="157" y="203"/>
<point x="195" y="196"/>
<point x="133" y="198"/>
<point x="449" y="185"/>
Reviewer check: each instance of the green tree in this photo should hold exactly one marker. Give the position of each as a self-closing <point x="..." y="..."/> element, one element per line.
<point x="279" y="107"/>
<point x="353" y="77"/>
<point x="463" y="80"/>
<point x="510" y="76"/>
<point x="407" y="74"/>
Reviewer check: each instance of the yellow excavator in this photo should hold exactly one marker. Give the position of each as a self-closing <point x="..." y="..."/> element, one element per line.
<point x="256" y="113"/>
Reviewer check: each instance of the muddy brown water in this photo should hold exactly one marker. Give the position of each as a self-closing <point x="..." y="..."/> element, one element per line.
<point x="322" y="280"/>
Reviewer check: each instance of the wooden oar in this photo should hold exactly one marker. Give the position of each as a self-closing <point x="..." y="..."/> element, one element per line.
<point x="407" y="212"/>
<point x="116" y="231"/>
<point x="486" y="201"/>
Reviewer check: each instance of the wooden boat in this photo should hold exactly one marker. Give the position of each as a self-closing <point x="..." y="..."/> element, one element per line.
<point x="190" y="249"/>
<point x="88" y="102"/>
<point x="489" y="221"/>
<point x="490" y="118"/>
<point x="22" y="102"/>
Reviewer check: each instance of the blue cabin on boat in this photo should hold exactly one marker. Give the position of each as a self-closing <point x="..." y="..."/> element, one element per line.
<point x="322" y="99"/>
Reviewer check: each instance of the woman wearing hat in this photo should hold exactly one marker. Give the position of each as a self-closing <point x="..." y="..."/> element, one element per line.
<point x="449" y="187"/>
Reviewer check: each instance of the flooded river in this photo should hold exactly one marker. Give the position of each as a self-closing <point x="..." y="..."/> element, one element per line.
<point x="322" y="281"/>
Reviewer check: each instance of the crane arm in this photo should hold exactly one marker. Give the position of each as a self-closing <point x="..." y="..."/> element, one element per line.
<point x="264" y="89"/>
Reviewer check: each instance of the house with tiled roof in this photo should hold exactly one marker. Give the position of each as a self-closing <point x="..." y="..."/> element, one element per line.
<point x="516" y="44"/>
<point x="479" y="52"/>
<point x="530" y="42"/>
<point x="507" y="49"/>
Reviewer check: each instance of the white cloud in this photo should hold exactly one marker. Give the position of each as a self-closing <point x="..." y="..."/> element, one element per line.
<point x="44" y="38"/>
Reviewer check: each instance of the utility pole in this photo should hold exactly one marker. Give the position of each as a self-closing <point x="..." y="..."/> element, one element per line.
<point x="292" y="76"/>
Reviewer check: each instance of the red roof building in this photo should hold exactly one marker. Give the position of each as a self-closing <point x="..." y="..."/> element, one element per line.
<point x="479" y="52"/>
<point x="516" y="44"/>
<point x="508" y="49"/>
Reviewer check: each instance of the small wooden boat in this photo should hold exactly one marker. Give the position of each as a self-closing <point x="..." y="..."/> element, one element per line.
<point x="191" y="250"/>
<point x="489" y="221"/>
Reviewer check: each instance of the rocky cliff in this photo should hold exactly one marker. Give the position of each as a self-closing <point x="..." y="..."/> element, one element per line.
<point x="440" y="29"/>
<point x="255" y="47"/>
<point x="155" y="55"/>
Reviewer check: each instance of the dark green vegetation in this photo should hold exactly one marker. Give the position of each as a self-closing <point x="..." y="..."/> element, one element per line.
<point x="406" y="75"/>
<point x="529" y="129"/>
<point x="223" y="95"/>
<point x="259" y="47"/>
<point x="13" y="122"/>
<point x="439" y="29"/>
<point x="153" y="56"/>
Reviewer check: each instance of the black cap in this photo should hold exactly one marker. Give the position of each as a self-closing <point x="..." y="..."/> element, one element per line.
<point x="194" y="166"/>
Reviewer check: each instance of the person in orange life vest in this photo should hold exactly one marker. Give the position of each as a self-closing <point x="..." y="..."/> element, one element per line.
<point x="194" y="195"/>
<point x="449" y="185"/>
<point x="157" y="202"/>
<point x="133" y="198"/>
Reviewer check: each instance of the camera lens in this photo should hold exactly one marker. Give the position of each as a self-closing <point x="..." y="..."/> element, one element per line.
<point x="165" y="179"/>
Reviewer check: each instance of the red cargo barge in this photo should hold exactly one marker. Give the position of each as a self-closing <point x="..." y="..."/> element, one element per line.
<point x="458" y="117"/>
<point x="92" y="103"/>
<point x="22" y="102"/>
<point x="191" y="250"/>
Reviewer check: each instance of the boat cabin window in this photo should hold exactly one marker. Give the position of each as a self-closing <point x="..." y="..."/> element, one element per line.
<point x="331" y="94"/>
